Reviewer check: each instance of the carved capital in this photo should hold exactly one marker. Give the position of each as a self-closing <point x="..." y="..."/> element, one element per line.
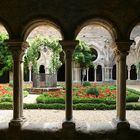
<point x="17" y="48"/>
<point x="123" y="46"/>
<point x="68" y="45"/>
<point x="122" y="49"/>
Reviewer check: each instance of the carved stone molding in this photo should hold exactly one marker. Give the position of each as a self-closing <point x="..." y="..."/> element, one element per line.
<point x="17" y="48"/>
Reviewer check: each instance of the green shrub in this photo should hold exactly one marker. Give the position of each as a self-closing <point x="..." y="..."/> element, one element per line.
<point x="6" y="105"/>
<point x="44" y="106"/>
<point x="131" y="97"/>
<point x="86" y="83"/>
<point x="94" y="101"/>
<point x="74" y="89"/>
<point x="112" y="87"/>
<point x="133" y="91"/>
<point x="49" y="100"/>
<point x="25" y="93"/>
<point x="92" y="91"/>
<point x="6" y="98"/>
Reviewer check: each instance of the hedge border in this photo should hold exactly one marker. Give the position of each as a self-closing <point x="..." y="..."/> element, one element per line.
<point x="80" y="106"/>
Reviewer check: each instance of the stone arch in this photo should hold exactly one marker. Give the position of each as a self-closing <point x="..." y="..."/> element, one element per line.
<point x="7" y="27"/>
<point x="30" y="26"/>
<point x="108" y="25"/>
<point x="131" y="26"/>
<point x="42" y="69"/>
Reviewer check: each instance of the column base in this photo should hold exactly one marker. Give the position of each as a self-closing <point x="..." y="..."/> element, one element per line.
<point x="17" y="122"/>
<point x="68" y="130"/>
<point x="121" y="124"/>
<point x="68" y="124"/>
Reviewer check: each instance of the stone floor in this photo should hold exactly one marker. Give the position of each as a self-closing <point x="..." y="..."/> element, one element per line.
<point x="98" y="116"/>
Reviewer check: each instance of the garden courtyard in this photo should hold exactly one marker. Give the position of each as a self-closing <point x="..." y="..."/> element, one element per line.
<point x="96" y="100"/>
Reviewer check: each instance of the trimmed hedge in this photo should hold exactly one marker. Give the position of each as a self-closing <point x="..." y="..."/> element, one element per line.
<point x="133" y="91"/>
<point x="6" y="99"/>
<point x="80" y="106"/>
<point x="132" y="98"/>
<point x="49" y="100"/>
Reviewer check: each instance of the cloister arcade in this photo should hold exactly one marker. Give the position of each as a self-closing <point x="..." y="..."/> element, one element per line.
<point x="118" y="51"/>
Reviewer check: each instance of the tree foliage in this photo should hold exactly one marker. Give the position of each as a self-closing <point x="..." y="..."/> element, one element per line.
<point x="83" y="55"/>
<point x="6" y="60"/>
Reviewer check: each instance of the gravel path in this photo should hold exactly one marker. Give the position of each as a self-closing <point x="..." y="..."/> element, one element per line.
<point x="136" y="87"/>
<point x="31" y="98"/>
<point x="40" y="116"/>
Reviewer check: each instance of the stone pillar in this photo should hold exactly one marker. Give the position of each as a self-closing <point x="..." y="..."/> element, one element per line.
<point x="111" y="74"/>
<point x="95" y="73"/>
<point x="137" y="73"/>
<point x="18" y="50"/>
<point x="21" y="72"/>
<point x="129" y="68"/>
<point x="87" y="74"/>
<point x="121" y="52"/>
<point x="103" y="73"/>
<point x="68" y="47"/>
<point x="30" y="71"/>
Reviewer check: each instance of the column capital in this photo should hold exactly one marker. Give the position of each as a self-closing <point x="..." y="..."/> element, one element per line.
<point x="123" y="47"/>
<point x="17" y="48"/>
<point x="68" y="45"/>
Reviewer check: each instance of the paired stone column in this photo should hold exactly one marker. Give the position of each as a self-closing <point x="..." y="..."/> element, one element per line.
<point x="121" y="52"/>
<point x="111" y="74"/>
<point x="87" y="74"/>
<point x="68" y="47"/>
<point x="30" y="71"/>
<point x="18" y="50"/>
<point x="103" y="73"/>
<point x="129" y="68"/>
<point x="138" y="73"/>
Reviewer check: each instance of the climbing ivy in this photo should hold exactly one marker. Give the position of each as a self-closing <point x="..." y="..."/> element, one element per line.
<point x="33" y="53"/>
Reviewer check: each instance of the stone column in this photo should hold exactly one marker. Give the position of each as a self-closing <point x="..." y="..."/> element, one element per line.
<point x="21" y="72"/>
<point x="129" y="68"/>
<point x="137" y="73"/>
<point x="111" y="74"/>
<point x="121" y="52"/>
<point x="68" y="47"/>
<point x="95" y="74"/>
<point x="87" y="74"/>
<point x="103" y="73"/>
<point x="78" y="75"/>
<point x="18" y="50"/>
<point x="30" y="71"/>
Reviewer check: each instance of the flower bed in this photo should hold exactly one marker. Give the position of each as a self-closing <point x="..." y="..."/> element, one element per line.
<point x="87" y="97"/>
<point x="6" y="93"/>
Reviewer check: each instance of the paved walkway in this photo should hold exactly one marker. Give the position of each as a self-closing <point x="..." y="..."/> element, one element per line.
<point x="136" y="87"/>
<point x="31" y="98"/>
<point x="89" y="116"/>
